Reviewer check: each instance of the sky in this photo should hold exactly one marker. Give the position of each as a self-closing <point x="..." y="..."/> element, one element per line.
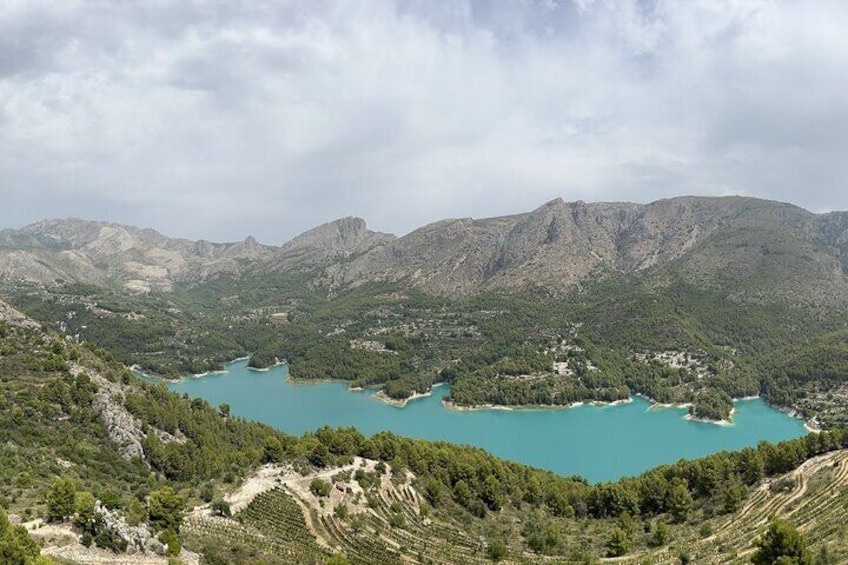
<point x="222" y="119"/>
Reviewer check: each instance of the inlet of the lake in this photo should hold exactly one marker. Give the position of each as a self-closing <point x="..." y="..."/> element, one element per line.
<point x="600" y="443"/>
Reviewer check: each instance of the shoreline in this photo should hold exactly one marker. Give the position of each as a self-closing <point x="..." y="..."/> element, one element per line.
<point x="294" y="381"/>
<point x="598" y="404"/>
<point x="621" y="402"/>
<point x="181" y="379"/>
<point x="207" y="373"/>
<point x="265" y="369"/>
<point x="449" y="405"/>
<point x="654" y="405"/>
<point x="810" y="425"/>
<point x="399" y="403"/>
<point x="727" y="423"/>
<point x="135" y="368"/>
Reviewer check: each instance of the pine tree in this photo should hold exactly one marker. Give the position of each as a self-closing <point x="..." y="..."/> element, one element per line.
<point x="618" y="543"/>
<point x="783" y="544"/>
<point x="679" y="500"/>
<point x="61" y="500"/>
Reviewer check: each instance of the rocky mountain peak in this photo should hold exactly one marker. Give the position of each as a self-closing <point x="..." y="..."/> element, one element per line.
<point x="344" y="234"/>
<point x="336" y="239"/>
<point x="555" y="203"/>
<point x="250" y="247"/>
<point x="203" y="248"/>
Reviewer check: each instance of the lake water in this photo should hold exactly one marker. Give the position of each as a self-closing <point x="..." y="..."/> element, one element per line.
<point x="600" y="443"/>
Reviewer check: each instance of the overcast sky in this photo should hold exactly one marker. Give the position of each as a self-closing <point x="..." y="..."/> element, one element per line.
<point x="221" y="119"/>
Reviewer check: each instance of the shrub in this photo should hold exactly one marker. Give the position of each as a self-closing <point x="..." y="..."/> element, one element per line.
<point x="221" y="507"/>
<point x="496" y="551"/>
<point x="319" y="487"/>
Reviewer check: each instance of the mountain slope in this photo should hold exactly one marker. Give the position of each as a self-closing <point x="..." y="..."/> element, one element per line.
<point x="336" y="240"/>
<point x="76" y="428"/>
<point x="757" y="249"/>
<point x="277" y="503"/>
<point x="115" y="255"/>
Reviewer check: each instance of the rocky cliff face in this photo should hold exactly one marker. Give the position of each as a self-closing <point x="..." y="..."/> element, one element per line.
<point x="753" y="249"/>
<point x="329" y="242"/>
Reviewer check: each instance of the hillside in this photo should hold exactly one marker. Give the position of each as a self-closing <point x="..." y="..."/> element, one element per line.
<point x="104" y="468"/>
<point x="378" y="524"/>
<point x="113" y="255"/>
<point x="84" y="449"/>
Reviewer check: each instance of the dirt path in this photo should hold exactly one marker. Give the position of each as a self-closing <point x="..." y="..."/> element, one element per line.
<point x="265" y="479"/>
<point x="270" y="477"/>
<point x="77" y="553"/>
<point x="310" y="525"/>
<point x="746" y="525"/>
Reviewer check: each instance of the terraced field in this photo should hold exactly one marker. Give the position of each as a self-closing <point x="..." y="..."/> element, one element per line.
<point x="817" y="504"/>
<point x="386" y="527"/>
<point x="377" y="537"/>
<point x="384" y="524"/>
<point x="273" y="523"/>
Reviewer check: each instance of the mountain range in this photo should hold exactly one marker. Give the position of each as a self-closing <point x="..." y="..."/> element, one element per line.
<point x="754" y="250"/>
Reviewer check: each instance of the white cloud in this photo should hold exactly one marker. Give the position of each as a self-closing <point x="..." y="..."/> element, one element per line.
<point x="218" y="119"/>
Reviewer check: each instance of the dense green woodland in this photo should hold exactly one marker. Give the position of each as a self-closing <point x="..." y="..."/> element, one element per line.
<point x="494" y="348"/>
<point x="48" y="419"/>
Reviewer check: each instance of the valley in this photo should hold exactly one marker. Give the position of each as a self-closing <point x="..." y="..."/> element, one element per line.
<point x="548" y="334"/>
<point x="395" y="282"/>
<point x="77" y="422"/>
<point x="689" y="300"/>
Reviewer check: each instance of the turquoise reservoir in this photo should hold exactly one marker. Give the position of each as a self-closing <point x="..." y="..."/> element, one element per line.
<point x="600" y="443"/>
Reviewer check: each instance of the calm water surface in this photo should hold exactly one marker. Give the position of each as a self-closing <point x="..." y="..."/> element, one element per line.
<point x="599" y="443"/>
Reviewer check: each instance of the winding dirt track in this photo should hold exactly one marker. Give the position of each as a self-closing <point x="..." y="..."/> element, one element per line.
<point x="740" y="531"/>
<point x="77" y="553"/>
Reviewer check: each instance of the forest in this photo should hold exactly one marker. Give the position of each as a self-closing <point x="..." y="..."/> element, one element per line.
<point x="533" y="348"/>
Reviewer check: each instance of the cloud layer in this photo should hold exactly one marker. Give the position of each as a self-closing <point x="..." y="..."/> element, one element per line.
<point x="220" y="119"/>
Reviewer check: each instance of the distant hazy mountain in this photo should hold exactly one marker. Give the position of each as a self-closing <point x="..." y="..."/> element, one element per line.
<point x="111" y="254"/>
<point x="754" y="250"/>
